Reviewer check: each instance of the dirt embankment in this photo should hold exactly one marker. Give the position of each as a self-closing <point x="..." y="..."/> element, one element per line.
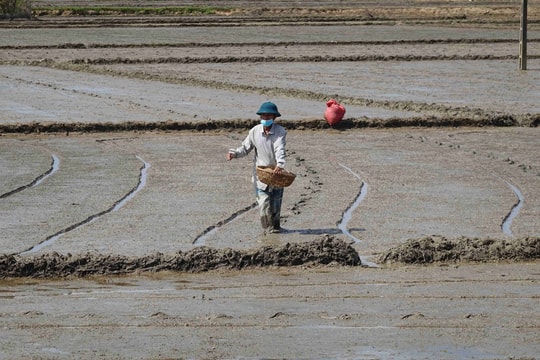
<point x="237" y="125"/>
<point x="323" y="251"/>
<point x="432" y="249"/>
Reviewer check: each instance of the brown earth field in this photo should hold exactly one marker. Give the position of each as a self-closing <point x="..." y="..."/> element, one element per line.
<point x="411" y="230"/>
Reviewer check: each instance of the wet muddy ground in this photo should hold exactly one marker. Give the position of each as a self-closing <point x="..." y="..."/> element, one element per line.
<point x="411" y="230"/>
<point x="482" y="311"/>
<point x="168" y="191"/>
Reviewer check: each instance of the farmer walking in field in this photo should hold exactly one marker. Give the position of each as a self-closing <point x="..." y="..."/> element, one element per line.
<point x="268" y="140"/>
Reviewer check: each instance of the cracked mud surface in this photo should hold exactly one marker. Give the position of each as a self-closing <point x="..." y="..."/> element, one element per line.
<point x="441" y="130"/>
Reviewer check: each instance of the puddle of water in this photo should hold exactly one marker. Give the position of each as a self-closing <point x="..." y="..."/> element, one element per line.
<point x="53" y="350"/>
<point x="456" y="352"/>
<point x="347" y="215"/>
<point x="507" y="223"/>
<point x="119" y="291"/>
<point x="319" y="326"/>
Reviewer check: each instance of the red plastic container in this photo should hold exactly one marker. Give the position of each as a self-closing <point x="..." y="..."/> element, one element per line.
<point x="334" y="112"/>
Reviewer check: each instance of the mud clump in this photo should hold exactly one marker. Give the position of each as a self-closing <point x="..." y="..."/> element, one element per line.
<point x="432" y="249"/>
<point x="322" y="251"/>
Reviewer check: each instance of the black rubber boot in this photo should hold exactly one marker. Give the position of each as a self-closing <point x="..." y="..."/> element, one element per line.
<point x="276" y="226"/>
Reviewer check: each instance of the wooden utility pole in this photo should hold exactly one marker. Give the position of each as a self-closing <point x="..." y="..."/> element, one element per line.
<point x="523" y="37"/>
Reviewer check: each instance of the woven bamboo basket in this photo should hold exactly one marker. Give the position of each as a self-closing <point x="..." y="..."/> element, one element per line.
<point x="267" y="176"/>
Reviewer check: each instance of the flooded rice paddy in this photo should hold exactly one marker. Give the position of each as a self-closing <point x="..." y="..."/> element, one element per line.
<point x="411" y="230"/>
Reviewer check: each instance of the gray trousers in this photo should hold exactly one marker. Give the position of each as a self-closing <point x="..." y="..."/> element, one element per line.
<point x="269" y="201"/>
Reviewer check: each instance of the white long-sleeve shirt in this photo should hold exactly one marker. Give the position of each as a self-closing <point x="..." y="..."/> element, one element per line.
<point x="269" y="148"/>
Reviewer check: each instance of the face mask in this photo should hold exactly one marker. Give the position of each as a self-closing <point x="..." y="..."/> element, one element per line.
<point x="267" y="123"/>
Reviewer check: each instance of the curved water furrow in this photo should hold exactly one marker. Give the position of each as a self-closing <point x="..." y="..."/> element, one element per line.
<point x="507" y="221"/>
<point x="119" y="204"/>
<point x="342" y="224"/>
<point x="55" y="165"/>
<point x="200" y="239"/>
<point x="142" y="183"/>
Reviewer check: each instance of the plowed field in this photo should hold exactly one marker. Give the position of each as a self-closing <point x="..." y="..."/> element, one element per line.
<point x="411" y="231"/>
